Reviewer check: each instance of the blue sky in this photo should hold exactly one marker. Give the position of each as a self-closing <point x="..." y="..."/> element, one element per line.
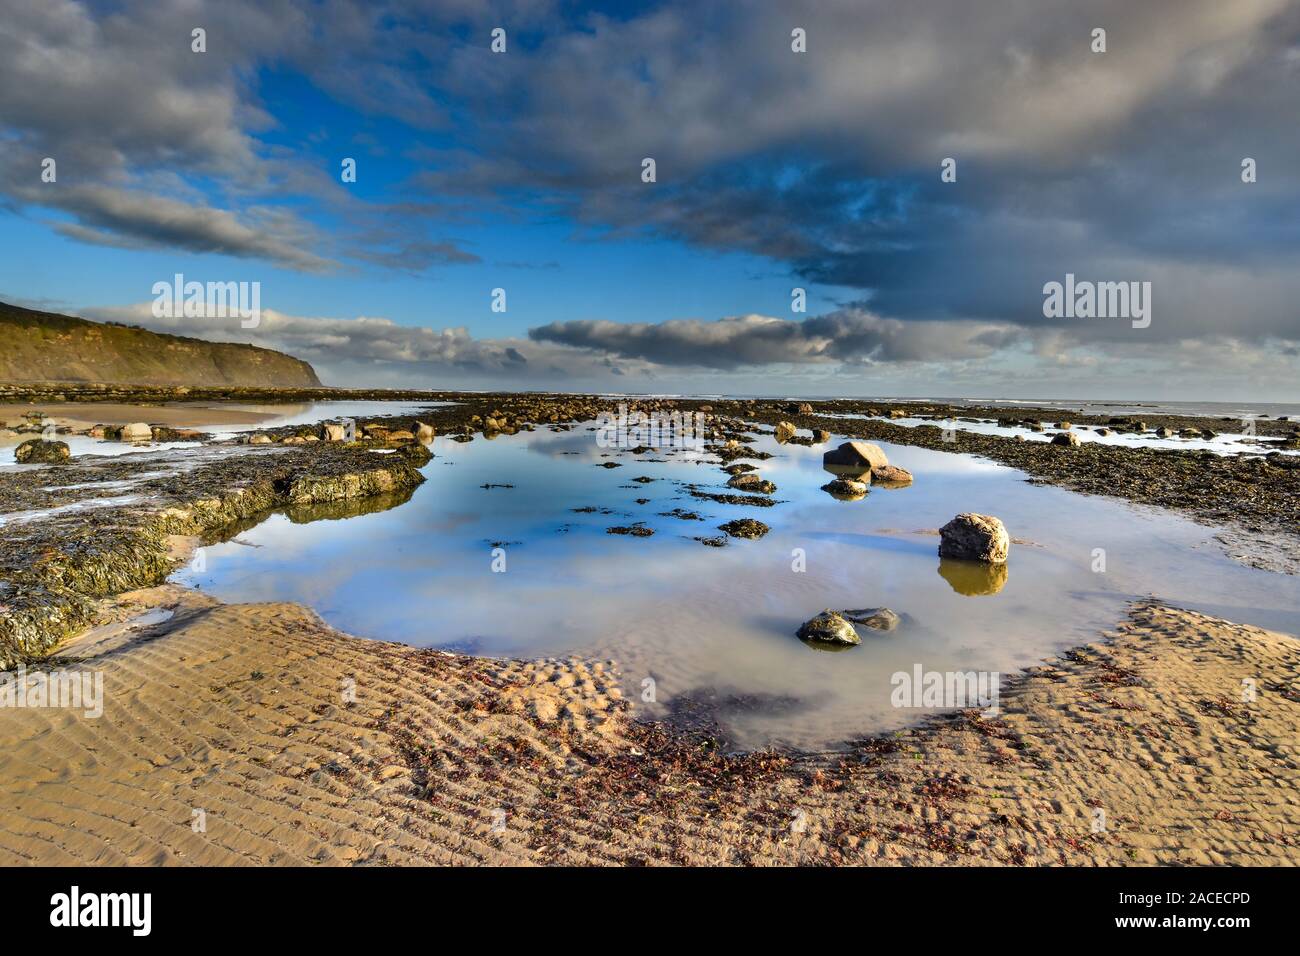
<point x="776" y="168"/>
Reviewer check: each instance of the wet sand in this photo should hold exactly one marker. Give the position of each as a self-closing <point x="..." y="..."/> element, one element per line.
<point x="231" y="735"/>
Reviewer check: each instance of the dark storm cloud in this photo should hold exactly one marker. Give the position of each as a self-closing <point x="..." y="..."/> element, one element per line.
<point x="753" y="340"/>
<point x="1123" y="165"/>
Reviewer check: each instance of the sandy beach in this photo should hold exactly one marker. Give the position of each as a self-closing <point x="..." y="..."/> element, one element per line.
<point x="255" y="734"/>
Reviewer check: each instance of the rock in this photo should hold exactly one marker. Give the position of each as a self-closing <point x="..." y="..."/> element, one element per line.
<point x="1103" y="432"/>
<point x="1164" y="432"/>
<point x="897" y="413"/>
<point x="1065" y="438"/>
<point x="974" y="537"/>
<point x="877" y="618"/>
<point x="745" y="528"/>
<point x="294" y="440"/>
<point x="1036" y="427"/>
<point x="820" y="436"/>
<point x="37" y="451"/>
<point x="1064" y="426"/>
<point x="260" y="440"/>
<point x="784" y="432"/>
<point x="97" y="431"/>
<point x="857" y="454"/>
<point x="748" y="481"/>
<point x="846" y="489"/>
<point x="137" y="431"/>
<point x="891" y="475"/>
<point x="400" y="436"/>
<point x="335" y="432"/>
<point x="423" y="433"/>
<point x="828" y="627"/>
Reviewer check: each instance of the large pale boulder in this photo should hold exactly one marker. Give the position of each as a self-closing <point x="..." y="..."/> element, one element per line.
<point x="423" y="432"/>
<point x="784" y="432"/>
<point x="974" y="537"/>
<point x="137" y="431"/>
<point x="860" y="454"/>
<point x="335" y="432"/>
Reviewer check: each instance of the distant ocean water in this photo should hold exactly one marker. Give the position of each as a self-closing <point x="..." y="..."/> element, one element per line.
<point x="1089" y="406"/>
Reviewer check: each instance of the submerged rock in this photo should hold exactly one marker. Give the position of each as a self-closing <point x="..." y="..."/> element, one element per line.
<point x="974" y="537"/>
<point x="745" y="528"/>
<point x="846" y="489"/>
<point x="877" y="618"/>
<point x="37" y="451"/>
<point x="829" y="627"/>
<point x="856" y="454"/>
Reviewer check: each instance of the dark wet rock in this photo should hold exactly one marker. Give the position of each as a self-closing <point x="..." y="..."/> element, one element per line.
<point x="609" y="464"/>
<point x="974" y="537"/>
<point x="846" y="489"/>
<point x="739" y="468"/>
<point x="820" y="436"/>
<point x="1164" y="432"/>
<point x="644" y="480"/>
<point x="891" y="476"/>
<point x="1066" y="438"/>
<point x="683" y="514"/>
<point x="829" y="627"/>
<point x="37" y="451"/>
<point x="719" y="542"/>
<point x="876" y="618"/>
<point x="635" y="530"/>
<point x="751" y="482"/>
<point x="755" y="500"/>
<point x="745" y="528"/>
<point x="856" y="454"/>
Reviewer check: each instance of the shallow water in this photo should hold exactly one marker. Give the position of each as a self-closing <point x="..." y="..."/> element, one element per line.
<point x="1225" y="444"/>
<point x="719" y="623"/>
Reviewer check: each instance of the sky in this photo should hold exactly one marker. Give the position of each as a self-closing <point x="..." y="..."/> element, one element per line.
<point x="921" y="171"/>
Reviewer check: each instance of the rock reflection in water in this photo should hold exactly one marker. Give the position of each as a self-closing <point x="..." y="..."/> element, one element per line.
<point x="973" y="578"/>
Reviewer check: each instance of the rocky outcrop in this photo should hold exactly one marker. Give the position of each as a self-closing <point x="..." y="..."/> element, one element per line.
<point x="745" y="528"/>
<point x="829" y="627"/>
<point x="36" y="451"/>
<point x="974" y="537"/>
<point x="749" y="481"/>
<point x="891" y="476"/>
<point x="846" y="489"/>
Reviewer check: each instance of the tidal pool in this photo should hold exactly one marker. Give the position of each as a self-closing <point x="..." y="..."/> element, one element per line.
<point x="530" y="570"/>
